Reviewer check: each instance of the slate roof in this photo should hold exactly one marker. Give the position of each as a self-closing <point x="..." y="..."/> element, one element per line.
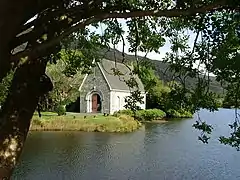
<point x="117" y="82"/>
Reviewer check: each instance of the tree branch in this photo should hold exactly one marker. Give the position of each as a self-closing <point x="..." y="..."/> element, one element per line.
<point x="37" y="52"/>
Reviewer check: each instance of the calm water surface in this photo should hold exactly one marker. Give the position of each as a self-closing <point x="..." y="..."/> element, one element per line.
<point x="168" y="151"/>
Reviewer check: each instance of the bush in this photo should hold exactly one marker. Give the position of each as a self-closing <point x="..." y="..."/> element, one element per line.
<point x="172" y="113"/>
<point x="150" y="114"/>
<point x="143" y="115"/>
<point x="125" y="111"/>
<point x="60" y="110"/>
<point x="37" y="122"/>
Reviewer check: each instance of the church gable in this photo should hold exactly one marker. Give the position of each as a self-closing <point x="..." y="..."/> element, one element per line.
<point x="94" y="80"/>
<point x="104" y="70"/>
<point x="94" y="83"/>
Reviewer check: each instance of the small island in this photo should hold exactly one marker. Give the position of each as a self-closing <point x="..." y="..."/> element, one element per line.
<point x="120" y="121"/>
<point x="84" y="122"/>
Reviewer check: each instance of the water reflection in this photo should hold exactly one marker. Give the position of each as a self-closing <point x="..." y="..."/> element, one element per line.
<point x="162" y="151"/>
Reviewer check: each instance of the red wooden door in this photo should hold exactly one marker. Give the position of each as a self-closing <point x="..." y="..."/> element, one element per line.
<point x="94" y="103"/>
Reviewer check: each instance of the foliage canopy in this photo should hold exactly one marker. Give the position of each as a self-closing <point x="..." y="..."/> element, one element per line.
<point x="42" y="25"/>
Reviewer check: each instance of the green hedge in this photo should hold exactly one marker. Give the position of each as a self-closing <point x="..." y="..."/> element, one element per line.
<point x="143" y="115"/>
<point x="155" y="114"/>
<point x="60" y="110"/>
<point x="125" y="111"/>
<point x="150" y="114"/>
<point x="172" y="113"/>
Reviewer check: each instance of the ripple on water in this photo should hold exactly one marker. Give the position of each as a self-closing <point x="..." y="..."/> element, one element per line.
<point x="168" y="151"/>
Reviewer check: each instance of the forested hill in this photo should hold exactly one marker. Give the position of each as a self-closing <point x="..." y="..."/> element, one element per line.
<point x="160" y="67"/>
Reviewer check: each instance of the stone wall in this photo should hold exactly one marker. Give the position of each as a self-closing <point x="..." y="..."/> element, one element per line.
<point x="95" y="82"/>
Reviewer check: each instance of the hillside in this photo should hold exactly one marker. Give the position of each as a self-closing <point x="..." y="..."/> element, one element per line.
<point x="160" y="67"/>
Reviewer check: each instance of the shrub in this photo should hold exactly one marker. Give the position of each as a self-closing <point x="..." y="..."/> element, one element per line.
<point x="125" y="118"/>
<point x="143" y="115"/>
<point x="37" y="122"/>
<point x="60" y="110"/>
<point x="125" y="111"/>
<point x="150" y="114"/>
<point x="181" y="113"/>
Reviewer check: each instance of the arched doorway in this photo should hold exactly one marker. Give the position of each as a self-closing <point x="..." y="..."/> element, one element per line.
<point x="96" y="103"/>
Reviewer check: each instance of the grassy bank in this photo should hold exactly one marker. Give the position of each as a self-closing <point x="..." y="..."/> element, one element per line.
<point x="88" y="123"/>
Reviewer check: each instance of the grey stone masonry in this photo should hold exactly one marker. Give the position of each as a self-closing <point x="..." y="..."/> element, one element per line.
<point x="95" y="82"/>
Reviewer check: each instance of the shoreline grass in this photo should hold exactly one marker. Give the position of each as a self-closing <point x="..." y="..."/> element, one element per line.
<point x="88" y="123"/>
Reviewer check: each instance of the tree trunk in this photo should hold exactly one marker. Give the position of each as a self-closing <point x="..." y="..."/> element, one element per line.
<point x="28" y="84"/>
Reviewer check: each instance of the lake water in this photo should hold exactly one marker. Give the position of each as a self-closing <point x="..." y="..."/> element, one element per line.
<point x="168" y="151"/>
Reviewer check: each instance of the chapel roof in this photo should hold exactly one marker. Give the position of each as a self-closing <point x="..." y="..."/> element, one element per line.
<point x="116" y="82"/>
